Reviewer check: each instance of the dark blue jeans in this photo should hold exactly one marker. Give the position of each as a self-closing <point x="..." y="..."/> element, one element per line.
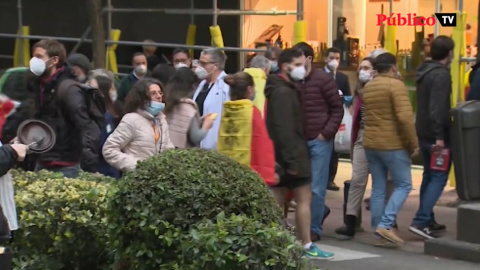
<point x="433" y="183"/>
<point x="68" y="172"/>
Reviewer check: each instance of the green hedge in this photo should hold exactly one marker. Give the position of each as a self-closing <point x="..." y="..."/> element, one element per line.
<point x="62" y="222"/>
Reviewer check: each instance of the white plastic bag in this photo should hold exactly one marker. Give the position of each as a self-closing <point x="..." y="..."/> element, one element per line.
<point x="344" y="135"/>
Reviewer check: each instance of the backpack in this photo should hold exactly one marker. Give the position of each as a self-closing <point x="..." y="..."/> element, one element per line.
<point x="94" y="100"/>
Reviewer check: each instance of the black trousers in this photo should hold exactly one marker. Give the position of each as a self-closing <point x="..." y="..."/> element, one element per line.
<point x="333" y="166"/>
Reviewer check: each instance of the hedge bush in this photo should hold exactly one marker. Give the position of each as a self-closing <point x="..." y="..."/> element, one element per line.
<point x="158" y="202"/>
<point x="238" y="243"/>
<point x="62" y="222"/>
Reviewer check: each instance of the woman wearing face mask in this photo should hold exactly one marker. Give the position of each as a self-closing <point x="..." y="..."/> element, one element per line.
<point x="143" y="131"/>
<point x="186" y="127"/>
<point x="360" y="170"/>
<point x="112" y="116"/>
<point x="243" y="135"/>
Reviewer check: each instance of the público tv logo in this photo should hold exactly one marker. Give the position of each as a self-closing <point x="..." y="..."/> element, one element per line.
<point x="445" y="19"/>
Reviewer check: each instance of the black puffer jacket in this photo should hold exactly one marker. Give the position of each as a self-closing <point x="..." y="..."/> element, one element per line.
<point x="434" y="86"/>
<point x="78" y="136"/>
<point x="284" y="119"/>
<point x="8" y="157"/>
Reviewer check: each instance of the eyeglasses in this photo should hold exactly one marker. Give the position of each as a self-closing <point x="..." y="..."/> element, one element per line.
<point x="201" y="63"/>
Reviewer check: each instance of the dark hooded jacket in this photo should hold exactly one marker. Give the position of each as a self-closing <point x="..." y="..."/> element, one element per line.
<point x="77" y="135"/>
<point x="284" y="119"/>
<point x="434" y="87"/>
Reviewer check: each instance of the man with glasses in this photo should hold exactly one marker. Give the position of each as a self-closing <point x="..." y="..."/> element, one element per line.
<point x="212" y="91"/>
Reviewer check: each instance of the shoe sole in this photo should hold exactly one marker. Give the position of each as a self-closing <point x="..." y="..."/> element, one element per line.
<point x="390" y="239"/>
<point x="318" y="258"/>
<point x="420" y="233"/>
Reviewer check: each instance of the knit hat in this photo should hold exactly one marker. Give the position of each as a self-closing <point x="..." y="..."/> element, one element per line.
<point x="79" y="60"/>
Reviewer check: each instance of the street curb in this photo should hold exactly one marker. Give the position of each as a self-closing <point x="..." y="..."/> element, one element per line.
<point x="453" y="249"/>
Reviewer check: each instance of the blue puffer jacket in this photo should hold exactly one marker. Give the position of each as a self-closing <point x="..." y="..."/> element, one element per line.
<point x="103" y="166"/>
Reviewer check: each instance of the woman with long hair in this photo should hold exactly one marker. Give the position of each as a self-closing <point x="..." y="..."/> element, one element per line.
<point x="187" y="129"/>
<point x="143" y="131"/>
<point x="243" y="135"/>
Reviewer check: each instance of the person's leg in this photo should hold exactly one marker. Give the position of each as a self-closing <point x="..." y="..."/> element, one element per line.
<point x="399" y="164"/>
<point x="303" y="196"/>
<point x="379" y="180"/>
<point x="332" y="171"/>
<point x="432" y="190"/>
<point x="320" y="153"/>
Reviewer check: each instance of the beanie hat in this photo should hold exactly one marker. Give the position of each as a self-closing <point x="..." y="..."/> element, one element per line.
<point x="79" y="60"/>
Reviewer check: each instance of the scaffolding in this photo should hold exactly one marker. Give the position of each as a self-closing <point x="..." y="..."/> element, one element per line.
<point x="110" y="9"/>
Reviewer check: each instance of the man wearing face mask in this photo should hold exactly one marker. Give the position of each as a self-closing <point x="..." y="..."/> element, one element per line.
<point x="80" y="66"/>
<point x="64" y="109"/>
<point x="285" y="120"/>
<point x="181" y="58"/>
<point x="323" y="112"/>
<point x="434" y="87"/>
<point x="139" y="64"/>
<point x="272" y="55"/>
<point x="389" y="140"/>
<point x="259" y="70"/>
<point x="212" y="91"/>
<point x="341" y="80"/>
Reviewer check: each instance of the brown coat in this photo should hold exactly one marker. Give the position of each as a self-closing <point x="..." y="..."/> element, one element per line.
<point x="179" y="120"/>
<point x="389" y="118"/>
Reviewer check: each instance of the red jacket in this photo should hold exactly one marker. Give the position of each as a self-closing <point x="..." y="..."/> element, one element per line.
<point x="5" y="108"/>
<point x="321" y="104"/>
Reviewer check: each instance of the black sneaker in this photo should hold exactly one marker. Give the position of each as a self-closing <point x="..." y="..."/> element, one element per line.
<point x="423" y="231"/>
<point x="437" y="227"/>
<point x="332" y="186"/>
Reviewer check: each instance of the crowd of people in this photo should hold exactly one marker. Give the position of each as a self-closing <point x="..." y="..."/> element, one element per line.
<point x="279" y="116"/>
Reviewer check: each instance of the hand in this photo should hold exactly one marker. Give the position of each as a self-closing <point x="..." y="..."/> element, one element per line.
<point x="416" y="151"/>
<point x="292" y="172"/>
<point x="438" y="146"/>
<point x="208" y="121"/>
<point x="21" y="149"/>
<point x="276" y="179"/>
<point x="321" y="137"/>
<point x="14" y="140"/>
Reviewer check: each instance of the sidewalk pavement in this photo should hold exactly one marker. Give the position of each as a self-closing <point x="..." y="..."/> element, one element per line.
<point x="414" y="243"/>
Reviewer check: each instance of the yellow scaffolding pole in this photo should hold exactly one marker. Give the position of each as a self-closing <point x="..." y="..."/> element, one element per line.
<point x="22" y="49"/>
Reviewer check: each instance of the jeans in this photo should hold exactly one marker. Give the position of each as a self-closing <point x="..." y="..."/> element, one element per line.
<point x="320" y="153"/>
<point x="433" y="183"/>
<point x="69" y="172"/>
<point x="398" y="163"/>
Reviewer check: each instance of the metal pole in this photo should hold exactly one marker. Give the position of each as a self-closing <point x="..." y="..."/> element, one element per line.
<point x="132" y="43"/>
<point x="215" y="12"/>
<point x="192" y="16"/>
<point x="330" y="23"/>
<point x="460" y="6"/>
<point x="391" y="7"/>
<point x="82" y="39"/>
<point x="204" y="11"/>
<point x="109" y="23"/>
<point x="299" y="10"/>
<point x="438" y="7"/>
<point x="20" y="26"/>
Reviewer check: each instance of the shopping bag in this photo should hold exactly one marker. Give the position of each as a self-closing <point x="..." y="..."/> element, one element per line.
<point x="343" y="138"/>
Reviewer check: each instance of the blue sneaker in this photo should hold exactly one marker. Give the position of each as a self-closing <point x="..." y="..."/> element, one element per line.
<point x="315" y="253"/>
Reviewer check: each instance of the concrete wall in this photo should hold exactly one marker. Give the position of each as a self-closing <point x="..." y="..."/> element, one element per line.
<point x="68" y="18"/>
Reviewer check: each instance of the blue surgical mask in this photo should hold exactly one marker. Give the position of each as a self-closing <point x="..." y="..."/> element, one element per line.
<point x="274" y="67"/>
<point x="155" y="107"/>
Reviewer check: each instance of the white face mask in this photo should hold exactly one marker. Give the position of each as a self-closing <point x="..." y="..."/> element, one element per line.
<point x="37" y="66"/>
<point x="298" y="73"/>
<point x="201" y="72"/>
<point x="113" y="95"/>
<point x="180" y="65"/>
<point x="364" y="76"/>
<point x="140" y="70"/>
<point x="333" y="64"/>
